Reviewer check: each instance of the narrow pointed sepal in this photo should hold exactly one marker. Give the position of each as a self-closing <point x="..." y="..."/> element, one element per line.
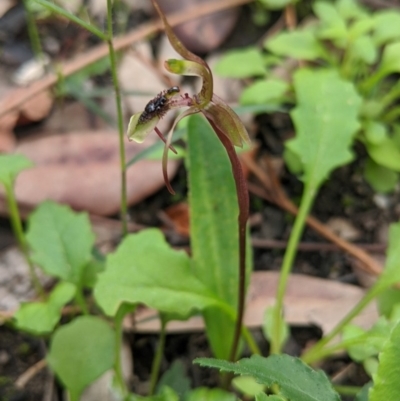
<point x="227" y="121"/>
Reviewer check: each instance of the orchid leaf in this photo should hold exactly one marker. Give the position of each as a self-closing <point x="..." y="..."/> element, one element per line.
<point x="214" y="231"/>
<point x="326" y="121"/>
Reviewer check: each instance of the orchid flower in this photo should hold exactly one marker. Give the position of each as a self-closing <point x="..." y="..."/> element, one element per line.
<point x="226" y="124"/>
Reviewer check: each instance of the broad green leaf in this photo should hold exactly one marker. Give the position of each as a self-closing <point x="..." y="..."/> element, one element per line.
<point x="264" y="91"/>
<point x="41" y="317"/>
<point x="391" y="58"/>
<point x="387" y="26"/>
<point x="92" y="269"/>
<point x="247" y="385"/>
<point x="11" y="166"/>
<point x="386" y="381"/>
<point x="210" y="394"/>
<point x="145" y="269"/>
<point x="296" y="380"/>
<point x="380" y="178"/>
<point x="214" y="227"/>
<point x="80" y="352"/>
<point x="241" y="63"/>
<point x="385" y="153"/>
<point x="61" y="240"/>
<point x="276" y="4"/>
<point x="176" y="379"/>
<point x="301" y="45"/>
<point x="326" y="120"/>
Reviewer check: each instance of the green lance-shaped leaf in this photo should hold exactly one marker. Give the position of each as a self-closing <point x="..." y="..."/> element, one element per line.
<point x="145" y="269"/>
<point x="11" y="166"/>
<point x="41" y="317"/>
<point x="326" y="120"/>
<point x="214" y="230"/>
<point x="386" y="381"/>
<point x="61" y="241"/>
<point x="296" y="380"/>
<point x="82" y="351"/>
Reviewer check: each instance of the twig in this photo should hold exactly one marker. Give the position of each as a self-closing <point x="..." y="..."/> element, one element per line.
<point x="30" y="373"/>
<point x="120" y="43"/>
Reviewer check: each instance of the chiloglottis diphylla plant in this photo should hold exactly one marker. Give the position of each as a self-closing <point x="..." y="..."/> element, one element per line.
<point x="226" y="124"/>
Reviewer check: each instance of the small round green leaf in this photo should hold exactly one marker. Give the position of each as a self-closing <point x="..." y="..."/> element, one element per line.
<point x="241" y="63"/>
<point x="382" y="179"/>
<point x="61" y="240"/>
<point x="82" y="351"/>
<point x="264" y="91"/>
<point x="11" y="166"/>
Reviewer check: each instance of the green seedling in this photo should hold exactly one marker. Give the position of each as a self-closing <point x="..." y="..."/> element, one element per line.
<point x="363" y="47"/>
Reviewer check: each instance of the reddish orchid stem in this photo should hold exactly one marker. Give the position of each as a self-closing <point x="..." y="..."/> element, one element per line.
<point x="243" y="202"/>
<point x="162" y="137"/>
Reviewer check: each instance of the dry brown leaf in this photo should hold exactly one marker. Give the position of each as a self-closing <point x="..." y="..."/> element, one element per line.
<point x="82" y="169"/>
<point x="308" y="301"/>
<point x="179" y="216"/>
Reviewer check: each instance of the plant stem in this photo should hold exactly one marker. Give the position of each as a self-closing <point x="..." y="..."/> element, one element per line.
<point x="80" y="300"/>
<point x="113" y="62"/>
<point x="118" y="320"/>
<point x="71" y="17"/>
<point x="33" y="31"/>
<point x="243" y="203"/>
<point x="287" y="263"/>
<point x="155" y="368"/>
<point x="20" y="236"/>
<point x="315" y="352"/>
<point x="347" y="390"/>
<point x="250" y="341"/>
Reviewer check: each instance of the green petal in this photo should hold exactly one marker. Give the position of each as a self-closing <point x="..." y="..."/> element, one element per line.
<point x="191" y="68"/>
<point x="137" y="131"/>
<point x="227" y="121"/>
